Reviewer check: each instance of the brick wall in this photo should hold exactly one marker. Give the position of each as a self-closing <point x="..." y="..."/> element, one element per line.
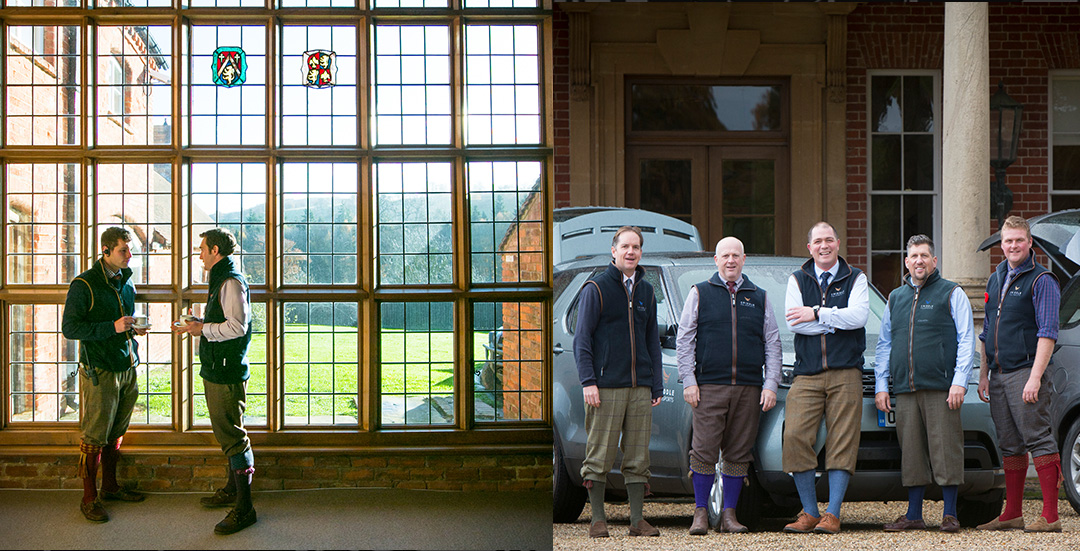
<point x="523" y="322"/>
<point x="290" y="471"/>
<point x="561" y="116"/>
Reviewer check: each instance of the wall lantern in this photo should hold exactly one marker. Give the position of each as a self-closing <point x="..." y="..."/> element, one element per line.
<point x="1005" y="115"/>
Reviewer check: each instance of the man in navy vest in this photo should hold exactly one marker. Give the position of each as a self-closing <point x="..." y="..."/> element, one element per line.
<point x="1021" y="327"/>
<point x="99" y="314"/>
<point x="617" y="349"/>
<point x="827" y="306"/>
<point x="224" y="335"/>
<point x="927" y="344"/>
<point x="733" y="322"/>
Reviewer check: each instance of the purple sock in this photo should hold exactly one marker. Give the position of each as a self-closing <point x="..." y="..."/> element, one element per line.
<point x="732" y="488"/>
<point x="702" y="485"/>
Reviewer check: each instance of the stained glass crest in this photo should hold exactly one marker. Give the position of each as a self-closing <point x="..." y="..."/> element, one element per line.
<point x="230" y="67"/>
<point x="320" y="68"/>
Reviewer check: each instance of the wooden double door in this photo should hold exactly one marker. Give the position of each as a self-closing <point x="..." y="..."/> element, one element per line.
<point x="722" y="190"/>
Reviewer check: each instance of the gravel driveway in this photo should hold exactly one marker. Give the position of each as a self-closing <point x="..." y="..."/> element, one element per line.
<point x="861" y="529"/>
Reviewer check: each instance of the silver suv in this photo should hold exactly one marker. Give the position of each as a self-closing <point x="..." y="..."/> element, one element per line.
<point x="772" y="491"/>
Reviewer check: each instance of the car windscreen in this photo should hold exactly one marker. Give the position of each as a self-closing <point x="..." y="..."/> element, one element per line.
<point x="773" y="279"/>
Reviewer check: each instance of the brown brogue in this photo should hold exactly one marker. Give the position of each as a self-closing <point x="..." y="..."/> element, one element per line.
<point x="700" y="526"/>
<point x="998" y="524"/>
<point x="598" y="529"/>
<point x="828" y="524"/>
<point x="903" y="523"/>
<point x="1041" y="525"/>
<point x="221" y="498"/>
<point x="950" y="524"/>
<point x="728" y="522"/>
<point x="804" y="523"/>
<point x="643" y="528"/>
<point x="123" y="494"/>
<point x="94" y="511"/>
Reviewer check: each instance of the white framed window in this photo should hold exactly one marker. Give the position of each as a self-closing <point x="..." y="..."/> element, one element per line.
<point x="903" y="167"/>
<point x="1064" y="132"/>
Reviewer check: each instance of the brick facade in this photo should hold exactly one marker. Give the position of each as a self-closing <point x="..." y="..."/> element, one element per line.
<point x="561" y="106"/>
<point x="523" y="322"/>
<point x="1026" y="42"/>
<point x="280" y="471"/>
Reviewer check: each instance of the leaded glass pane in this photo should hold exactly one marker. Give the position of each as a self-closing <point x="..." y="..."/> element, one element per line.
<point x="133" y="85"/>
<point x="318" y="116"/>
<point x="44" y="382"/>
<point x="506" y="206"/>
<point x="416" y="363"/>
<point x="412" y="85"/>
<point x="233" y="196"/>
<point x="502" y="84"/>
<point x="320" y="230"/>
<point x="321" y="363"/>
<point x="414" y="223"/>
<point x="221" y="115"/>
<point x="139" y="197"/>
<point x="42" y="242"/>
<point x="507" y="359"/>
<point x="42" y="103"/>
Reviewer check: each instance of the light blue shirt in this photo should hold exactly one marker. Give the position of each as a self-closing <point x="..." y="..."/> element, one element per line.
<point x="965" y="342"/>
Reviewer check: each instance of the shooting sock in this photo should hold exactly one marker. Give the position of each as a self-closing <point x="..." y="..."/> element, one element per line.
<point x="703" y="484"/>
<point x="1049" y="468"/>
<point x="948" y="495"/>
<point x="804" y="482"/>
<point x="1015" y="472"/>
<point x="596" y="500"/>
<point x="635" y="494"/>
<point x="732" y="488"/>
<point x="914" y="502"/>
<point x="110" y="455"/>
<point x="230" y="484"/>
<point x="838" y="481"/>
<point x="89" y="455"/>
<point x="243" y="465"/>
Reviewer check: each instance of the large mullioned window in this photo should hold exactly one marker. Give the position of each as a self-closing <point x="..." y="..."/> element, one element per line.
<point x="383" y="165"/>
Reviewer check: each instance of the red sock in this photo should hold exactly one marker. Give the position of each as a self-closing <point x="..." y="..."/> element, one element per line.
<point x="1015" y="473"/>
<point x="1049" y="468"/>
<point x="89" y="455"/>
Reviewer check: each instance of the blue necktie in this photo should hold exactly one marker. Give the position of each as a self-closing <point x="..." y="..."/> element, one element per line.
<point x="824" y="283"/>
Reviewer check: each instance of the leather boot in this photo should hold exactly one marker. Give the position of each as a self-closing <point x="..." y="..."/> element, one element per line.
<point x="700" y="526"/>
<point x="728" y="522"/>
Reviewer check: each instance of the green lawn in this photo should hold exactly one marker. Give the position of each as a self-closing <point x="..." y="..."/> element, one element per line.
<point x="324" y="360"/>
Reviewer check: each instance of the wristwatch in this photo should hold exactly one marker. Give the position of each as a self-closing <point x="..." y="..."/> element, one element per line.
<point x="815" y="308"/>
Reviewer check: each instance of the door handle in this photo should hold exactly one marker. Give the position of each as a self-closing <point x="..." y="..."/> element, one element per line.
<point x="558" y="349"/>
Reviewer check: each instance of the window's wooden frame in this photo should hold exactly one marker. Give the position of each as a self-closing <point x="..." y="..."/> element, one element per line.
<point x="464" y="435"/>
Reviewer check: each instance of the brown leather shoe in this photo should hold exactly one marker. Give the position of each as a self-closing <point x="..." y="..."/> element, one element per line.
<point x="950" y="524"/>
<point x="828" y="524"/>
<point x="804" y="523"/>
<point x="1040" y="525"/>
<point x="598" y="529"/>
<point x="643" y="528"/>
<point x="998" y="524"/>
<point x="123" y="494"/>
<point x="235" y="521"/>
<point x="902" y="523"/>
<point x="700" y="526"/>
<point x="221" y="498"/>
<point x="728" y="522"/>
<point x="94" y="511"/>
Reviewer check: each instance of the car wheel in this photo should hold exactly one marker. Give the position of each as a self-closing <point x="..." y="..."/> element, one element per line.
<point x="568" y="498"/>
<point x="1070" y="464"/>
<point x="972" y="513"/>
<point x="751" y="500"/>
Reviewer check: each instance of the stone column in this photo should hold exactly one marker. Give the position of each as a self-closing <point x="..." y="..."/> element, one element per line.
<point x="965" y="151"/>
